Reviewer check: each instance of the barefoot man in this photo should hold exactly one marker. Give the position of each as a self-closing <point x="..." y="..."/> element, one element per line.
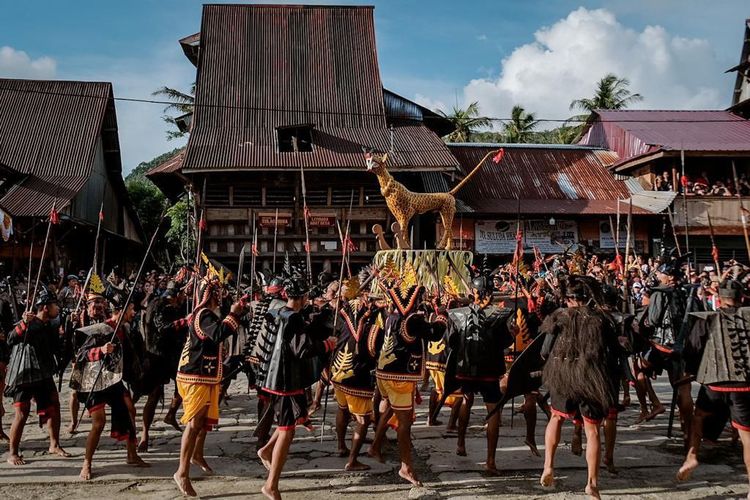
<point x="98" y="377"/>
<point x="718" y="350"/>
<point x="581" y="374"/>
<point x="401" y="367"/>
<point x="291" y="369"/>
<point x="479" y="337"/>
<point x="199" y="377"/>
<point x="35" y="336"/>
<point x="351" y="365"/>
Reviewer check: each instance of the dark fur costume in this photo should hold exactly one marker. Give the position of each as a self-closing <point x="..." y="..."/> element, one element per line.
<point x="582" y="362"/>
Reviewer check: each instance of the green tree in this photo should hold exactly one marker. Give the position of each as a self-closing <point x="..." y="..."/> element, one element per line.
<point x="466" y="121"/>
<point x="181" y="102"/>
<point x="612" y="92"/>
<point x="521" y="126"/>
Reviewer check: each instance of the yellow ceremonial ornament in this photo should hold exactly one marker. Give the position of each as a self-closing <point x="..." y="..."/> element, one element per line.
<point x="214" y="273"/>
<point x="386" y="353"/>
<point x="96" y="285"/>
<point x="343" y="365"/>
<point x="408" y="278"/>
<point x="523" y="337"/>
<point x="436" y="348"/>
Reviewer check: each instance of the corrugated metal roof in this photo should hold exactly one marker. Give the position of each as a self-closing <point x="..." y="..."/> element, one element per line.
<point x="547" y="180"/>
<point x="635" y="132"/>
<point x="48" y="130"/>
<point x="653" y="201"/>
<point x="168" y="166"/>
<point x="263" y="67"/>
<point x="45" y="130"/>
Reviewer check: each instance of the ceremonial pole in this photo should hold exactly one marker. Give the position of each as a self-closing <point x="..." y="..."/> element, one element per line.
<point x="674" y="232"/>
<point x="743" y="212"/>
<point x="684" y="183"/>
<point x="518" y="255"/>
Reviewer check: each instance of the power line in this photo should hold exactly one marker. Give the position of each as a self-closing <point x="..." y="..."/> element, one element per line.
<point x="362" y="114"/>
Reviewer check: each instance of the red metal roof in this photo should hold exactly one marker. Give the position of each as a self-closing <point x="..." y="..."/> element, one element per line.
<point x="263" y="67"/>
<point x="631" y="133"/>
<point x="547" y="178"/>
<point x="48" y="130"/>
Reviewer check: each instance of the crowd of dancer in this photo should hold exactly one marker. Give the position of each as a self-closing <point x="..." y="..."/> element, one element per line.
<point x="571" y="336"/>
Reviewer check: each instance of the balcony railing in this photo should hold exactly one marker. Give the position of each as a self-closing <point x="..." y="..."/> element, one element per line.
<point x="724" y="211"/>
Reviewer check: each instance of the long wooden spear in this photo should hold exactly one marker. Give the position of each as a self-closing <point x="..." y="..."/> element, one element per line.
<point x="714" y="248"/>
<point x="306" y="215"/>
<point x="275" y="233"/>
<point x="625" y="288"/>
<point x="53" y="219"/>
<point x="743" y="213"/>
<point x="336" y="309"/>
<point x="674" y="232"/>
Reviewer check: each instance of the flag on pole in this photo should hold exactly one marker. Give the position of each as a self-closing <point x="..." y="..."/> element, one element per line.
<point x="202" y="224"/>
<point x="255" y="250"/>
<point x="498" y="156"/>
<point x="349" y="246"/>
<point x="54" y="217"/>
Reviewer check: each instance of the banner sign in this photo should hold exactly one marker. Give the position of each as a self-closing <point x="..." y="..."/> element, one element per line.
<point x="499" y="236"/>
<point x="607" y="235"/>
<point x="268" y="220"/>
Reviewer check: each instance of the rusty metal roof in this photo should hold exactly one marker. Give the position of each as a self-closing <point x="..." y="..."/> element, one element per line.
<point x="263" y="67"/>
<point x="48" y="130"/>
<point x="168" y="166"/>
<point x="547" y="178"/>
<point x="635" y="132"/>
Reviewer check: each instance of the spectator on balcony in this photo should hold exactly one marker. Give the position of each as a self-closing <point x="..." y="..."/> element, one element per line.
<point x="719" y="189"/>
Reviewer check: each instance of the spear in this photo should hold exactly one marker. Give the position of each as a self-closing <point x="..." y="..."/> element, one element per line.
<point x="714" y="248"/>
<point x="344" y="252"/>
<point x="31" y="261"/>
<point x="275" y="232"/>
<point x="743" y="212"/>
<point x="626" y="294"/>
<point x="684" y="183"/>
<point x="306" y="215"/>
<point x="124" y="308"/>
<point x="674" y="232"/>
<point x="53" y="219"/>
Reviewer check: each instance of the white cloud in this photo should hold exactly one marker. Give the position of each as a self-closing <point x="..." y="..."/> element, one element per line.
<point x="567" y="59"/>
<point x="17" y="64"/>
<point x="430" y="103"/>
<point x="140" y="126"/>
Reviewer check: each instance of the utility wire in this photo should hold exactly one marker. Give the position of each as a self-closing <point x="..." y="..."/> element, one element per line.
<point x="362" y="114"/>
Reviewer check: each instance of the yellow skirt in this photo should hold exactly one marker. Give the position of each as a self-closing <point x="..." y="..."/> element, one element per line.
<point x="195" y="397"/>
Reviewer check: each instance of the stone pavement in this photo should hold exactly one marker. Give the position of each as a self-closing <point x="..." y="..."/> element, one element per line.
<point x="647" y="461"/>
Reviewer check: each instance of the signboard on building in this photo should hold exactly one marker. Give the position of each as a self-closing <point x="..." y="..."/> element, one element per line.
<point x="499" y="236"/>
<point x="268" y="219"/>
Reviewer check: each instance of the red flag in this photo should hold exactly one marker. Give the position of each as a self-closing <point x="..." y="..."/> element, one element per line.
<point x="715" y="255"/>
<point x="619" y="265"/>
<point x="202" y="224"/>
<point x="255" y="250"/>
<point x="307" y="212"/>
<point x="538" y="259"/>
<point x="101" y="215"/>
<point x="54" y="217"/>
<point x="684" y="181"/>
<point x="498" y="156"/>
<point x="349" y="246"/>
<point x="307" y="247"/>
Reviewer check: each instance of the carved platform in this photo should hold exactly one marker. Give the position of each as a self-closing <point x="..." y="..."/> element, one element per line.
<point x="431" y="265"/>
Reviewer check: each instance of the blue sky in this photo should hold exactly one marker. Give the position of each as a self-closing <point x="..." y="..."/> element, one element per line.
<point x="540" y="54"/>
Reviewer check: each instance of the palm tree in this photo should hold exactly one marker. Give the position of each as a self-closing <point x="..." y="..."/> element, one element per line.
<point x="521" y="126"/>
<point x="181" y="103"/>
<point x="466" y="122"/>
<point x="611" y="93"/>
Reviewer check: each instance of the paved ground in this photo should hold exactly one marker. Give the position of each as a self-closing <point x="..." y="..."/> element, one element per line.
<point x="646" y="459"/>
